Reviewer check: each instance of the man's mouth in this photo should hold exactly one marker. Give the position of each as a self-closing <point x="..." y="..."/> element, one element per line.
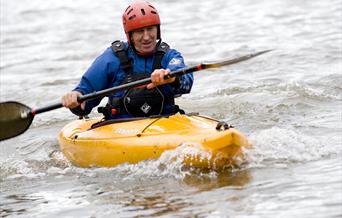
<point x="147" y="45"/>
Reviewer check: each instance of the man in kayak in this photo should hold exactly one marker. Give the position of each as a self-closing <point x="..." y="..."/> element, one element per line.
<point x="143" y="55"/>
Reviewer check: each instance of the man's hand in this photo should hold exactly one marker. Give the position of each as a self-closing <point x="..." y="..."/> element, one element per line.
<point x="69" y="100"/>
<point x="157" y="78"/>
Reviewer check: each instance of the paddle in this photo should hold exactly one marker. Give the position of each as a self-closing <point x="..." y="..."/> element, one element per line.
<point x="15" y="118"/>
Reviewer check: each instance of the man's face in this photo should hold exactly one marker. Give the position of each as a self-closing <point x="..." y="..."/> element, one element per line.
<point x="144" y="39"/>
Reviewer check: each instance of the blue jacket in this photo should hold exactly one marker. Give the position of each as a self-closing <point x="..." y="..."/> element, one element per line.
<point x="105" y="72"/>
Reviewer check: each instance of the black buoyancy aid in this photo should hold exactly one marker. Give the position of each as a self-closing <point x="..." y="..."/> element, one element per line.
<point x="137" y="101"/>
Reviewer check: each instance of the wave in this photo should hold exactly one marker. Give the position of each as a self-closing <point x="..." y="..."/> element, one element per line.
<point x="328" y="88"/>
<point x="30" y="155"/>
<point x="279" y="146"/>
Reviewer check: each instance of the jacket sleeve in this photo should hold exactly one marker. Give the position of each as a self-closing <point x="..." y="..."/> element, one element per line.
<point x="183" y="83"/>
<point x="98" y="77"/>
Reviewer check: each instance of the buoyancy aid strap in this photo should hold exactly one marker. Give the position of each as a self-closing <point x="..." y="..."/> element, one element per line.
<point x="162" y="48"/>
<point x="118" y="48"/>
<point x="126" y="63"/>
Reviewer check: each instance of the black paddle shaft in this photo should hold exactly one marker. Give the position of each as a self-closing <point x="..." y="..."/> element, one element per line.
<point x="105" y="92"/>
<point x="145" y="81"/>
<point x="15" y="118"/>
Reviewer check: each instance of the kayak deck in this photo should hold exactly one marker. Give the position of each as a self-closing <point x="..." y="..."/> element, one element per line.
<point x="138" y="140"/>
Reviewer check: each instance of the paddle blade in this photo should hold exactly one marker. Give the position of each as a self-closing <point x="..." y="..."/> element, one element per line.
<point x="15" y="118"/>
<point x="233" y="61"/>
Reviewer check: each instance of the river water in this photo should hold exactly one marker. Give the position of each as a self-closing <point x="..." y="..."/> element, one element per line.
<point x="288" y="102"/>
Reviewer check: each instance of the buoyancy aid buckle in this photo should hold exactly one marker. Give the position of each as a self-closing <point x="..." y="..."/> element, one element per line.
<point x="108" y="111"/>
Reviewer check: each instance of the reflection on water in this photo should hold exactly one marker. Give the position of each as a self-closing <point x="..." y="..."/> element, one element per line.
<point x="164" y="196"/>
<point x="236" y="179"/>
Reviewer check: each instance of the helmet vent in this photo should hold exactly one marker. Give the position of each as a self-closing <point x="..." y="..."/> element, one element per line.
<point x="143" y="11"/>
<point x="129" y="10"/>
<point x="152" y="7"/>
<point x="153" y="12"/>
<point x="132" y="17"/>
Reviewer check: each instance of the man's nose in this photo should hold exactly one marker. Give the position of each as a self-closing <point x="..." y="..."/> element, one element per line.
<point x="146" y="34"/>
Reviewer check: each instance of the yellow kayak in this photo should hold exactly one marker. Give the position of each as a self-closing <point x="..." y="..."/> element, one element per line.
<point x="97" y="143"/>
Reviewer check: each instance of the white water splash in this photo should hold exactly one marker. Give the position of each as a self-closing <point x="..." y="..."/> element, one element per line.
<point x="169" y="164"/>
<point x="277" y="145"/>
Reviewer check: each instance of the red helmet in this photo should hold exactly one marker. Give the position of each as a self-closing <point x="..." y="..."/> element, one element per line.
<point x="140" y="14"/>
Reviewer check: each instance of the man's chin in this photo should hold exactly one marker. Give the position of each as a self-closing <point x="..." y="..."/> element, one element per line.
<point x="147" y="50"/>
